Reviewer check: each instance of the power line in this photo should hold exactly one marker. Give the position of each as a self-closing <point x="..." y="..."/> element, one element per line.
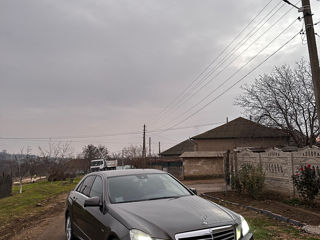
<point x="181" y="95"/>
<point x="56" y="139"/>
<point x="229" y="88"/>
<point x="187" y="127"/>
<point x="293" y="5"/>
<point x="231" y="76"/>
<point x="241" y="43"/>
<point x="243" y="51"/>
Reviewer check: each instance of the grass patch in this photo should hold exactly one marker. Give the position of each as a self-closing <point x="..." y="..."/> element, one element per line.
<point x="20" y="205"/>
<point x="293" y="202"/>
<point x="265" y="228"/>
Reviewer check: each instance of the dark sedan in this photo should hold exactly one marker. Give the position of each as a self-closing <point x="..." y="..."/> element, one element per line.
<point x="146" y="205"/>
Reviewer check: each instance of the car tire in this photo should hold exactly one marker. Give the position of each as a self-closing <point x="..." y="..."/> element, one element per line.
<point x="68" y="228"/>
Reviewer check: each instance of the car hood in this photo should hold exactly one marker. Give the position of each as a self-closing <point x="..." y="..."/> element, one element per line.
<point x="164" y="218"/>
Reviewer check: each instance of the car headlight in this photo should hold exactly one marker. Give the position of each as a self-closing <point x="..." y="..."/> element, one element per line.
<point x="139" y="235"/>
<point x="243" y="228"/>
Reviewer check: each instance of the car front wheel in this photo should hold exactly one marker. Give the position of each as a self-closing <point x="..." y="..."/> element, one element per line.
<point x="68" y="226"/>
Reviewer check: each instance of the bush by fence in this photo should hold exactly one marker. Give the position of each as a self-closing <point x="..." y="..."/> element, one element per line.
<point x="249" y="180"/>
<point x="307" y="181"/>
<point x="5" y="185"/>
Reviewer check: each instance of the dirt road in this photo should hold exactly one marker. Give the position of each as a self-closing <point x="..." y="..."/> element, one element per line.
<point x="50" y="229"/>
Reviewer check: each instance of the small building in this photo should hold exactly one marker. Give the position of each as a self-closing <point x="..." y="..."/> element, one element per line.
<point x="170" y="160"/>
<point x="203" y="164"/>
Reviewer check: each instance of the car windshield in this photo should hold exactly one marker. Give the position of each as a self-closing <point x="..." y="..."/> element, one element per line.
<point x="96" y="163"/>
<point x="143" y="187"/>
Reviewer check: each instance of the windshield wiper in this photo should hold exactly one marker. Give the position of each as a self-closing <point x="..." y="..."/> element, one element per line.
<point x="157" y="198"/>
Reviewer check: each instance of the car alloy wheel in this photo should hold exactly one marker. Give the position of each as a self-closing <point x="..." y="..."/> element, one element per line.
<point x="69" y="228"/>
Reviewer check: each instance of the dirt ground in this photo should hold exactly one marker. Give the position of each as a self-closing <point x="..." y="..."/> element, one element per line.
<point x="34" y="224"/>
<point x="306" y="215"/>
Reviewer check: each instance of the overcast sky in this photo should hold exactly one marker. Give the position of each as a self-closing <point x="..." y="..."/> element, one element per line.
<point x="72" y="69"/>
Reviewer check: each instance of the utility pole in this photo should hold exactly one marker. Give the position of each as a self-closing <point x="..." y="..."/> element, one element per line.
<point x="144" y="142"/>
<point x="149" y="146"/>
<point x="159" y="149"/>
<point x="122" y="158"/>
<point x="313" y="53"/>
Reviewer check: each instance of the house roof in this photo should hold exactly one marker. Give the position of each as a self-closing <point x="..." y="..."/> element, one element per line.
<point x="202" y="154"/>
<point x="178" y="149"/>
<point x="241" y="128"/>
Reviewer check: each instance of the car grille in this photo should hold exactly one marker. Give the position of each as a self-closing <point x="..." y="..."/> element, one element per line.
<point x="218" y="233"/>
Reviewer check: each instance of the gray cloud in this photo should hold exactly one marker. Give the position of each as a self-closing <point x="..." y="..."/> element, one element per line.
<point x="80" y="67"/>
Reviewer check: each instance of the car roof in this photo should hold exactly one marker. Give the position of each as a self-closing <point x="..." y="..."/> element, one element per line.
<point x="124" y="172"/>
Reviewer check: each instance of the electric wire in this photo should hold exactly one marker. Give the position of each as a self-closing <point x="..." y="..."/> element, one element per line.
<point x="229" y="88"/>
<point x="181" y="95"/>
<point x="231" y="76"/>
<point x="234" y="59"/>
<point x="242" y="42"/>
<point x="68" y="138"/>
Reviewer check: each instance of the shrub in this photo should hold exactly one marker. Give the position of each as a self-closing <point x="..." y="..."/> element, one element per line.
<point x="235" y="183"/>
<point x="306" y="180"/>
<point x="249" y="180"/>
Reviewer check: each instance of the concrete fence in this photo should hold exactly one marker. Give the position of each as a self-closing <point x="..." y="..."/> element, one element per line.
<point x="279" y="166"/>
<point x="5" y="185"/>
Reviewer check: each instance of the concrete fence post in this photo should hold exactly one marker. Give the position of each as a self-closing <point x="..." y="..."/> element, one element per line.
<point x="292" y="173"/>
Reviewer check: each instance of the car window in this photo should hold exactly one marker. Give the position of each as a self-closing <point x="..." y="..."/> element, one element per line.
<point x="79" y="186"/>
<point x="142" y="187"/>
<point x="87" y="184"/>
<point x="96" y="190"/>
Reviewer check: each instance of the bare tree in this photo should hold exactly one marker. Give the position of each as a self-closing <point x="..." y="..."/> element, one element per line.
<point x="132" y="152"/>
<point x="284" y="99"/>
<point x="54" y="156"/>
<point x="133" y="155"/>
<point x="21" y="165"/>
<point x="91" y="152"/>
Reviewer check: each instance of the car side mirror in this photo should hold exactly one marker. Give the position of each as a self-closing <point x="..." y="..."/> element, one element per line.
<point x="194" y="191"/>
<point x="92" y="202"/>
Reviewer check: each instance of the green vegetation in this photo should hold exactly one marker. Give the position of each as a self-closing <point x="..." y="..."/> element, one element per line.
<point x="307" y="180"/>
<point x="21" y="205"/>
<point x="293" y="202"/>
<point x="265" y="228"/>
<point x="249" y="180"/>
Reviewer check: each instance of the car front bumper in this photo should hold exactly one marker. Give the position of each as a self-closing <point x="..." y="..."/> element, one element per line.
<point x="249" y="236"/>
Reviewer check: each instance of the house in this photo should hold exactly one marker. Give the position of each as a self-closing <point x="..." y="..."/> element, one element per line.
<point x="211" y="147"/>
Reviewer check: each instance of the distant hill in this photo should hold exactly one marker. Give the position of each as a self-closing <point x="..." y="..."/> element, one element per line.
<point x="4" y="156"/>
